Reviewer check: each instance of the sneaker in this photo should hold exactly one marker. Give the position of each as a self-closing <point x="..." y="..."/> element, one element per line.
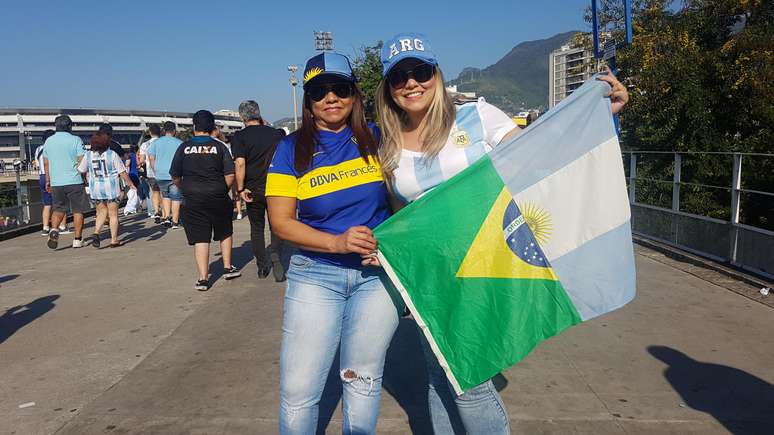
<point x="157" y="219"/>
<point x="174" y="226"/>
<point x="263" y="271"/>
<point x="45" y="231"/>
<point x="239" y="216"/>
<point x="53" y="239"/>
<point x="277" y="269"/>
<point x="231" y="273"/>
<point x="168" y="223"/>
<point x="95" y="240"/>
<point x="202" y="285"/>
<point x="65" y="231"/>
<point x="77" y="243"/>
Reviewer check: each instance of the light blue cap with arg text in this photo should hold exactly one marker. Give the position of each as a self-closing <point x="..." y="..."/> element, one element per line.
<point x="406" y="46"/>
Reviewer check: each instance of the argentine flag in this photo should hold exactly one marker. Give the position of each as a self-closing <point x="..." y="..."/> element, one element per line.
<point x="531" y="239"/>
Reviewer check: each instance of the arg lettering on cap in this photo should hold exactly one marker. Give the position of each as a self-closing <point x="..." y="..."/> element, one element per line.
<point x="406" y="45"/>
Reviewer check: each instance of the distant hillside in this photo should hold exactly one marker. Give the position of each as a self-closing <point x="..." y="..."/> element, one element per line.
<point x="518" y="80"/>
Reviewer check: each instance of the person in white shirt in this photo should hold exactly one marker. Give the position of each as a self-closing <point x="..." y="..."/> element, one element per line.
<point x="154" y="199"/>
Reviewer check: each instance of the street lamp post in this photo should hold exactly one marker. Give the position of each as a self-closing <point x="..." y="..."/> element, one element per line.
<point x="293" y="84"/>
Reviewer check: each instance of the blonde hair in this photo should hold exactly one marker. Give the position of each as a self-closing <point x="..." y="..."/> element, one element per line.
<point x="439" y="120"/>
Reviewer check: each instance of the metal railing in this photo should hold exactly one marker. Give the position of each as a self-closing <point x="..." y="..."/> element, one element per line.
<point x="722" y="238"/>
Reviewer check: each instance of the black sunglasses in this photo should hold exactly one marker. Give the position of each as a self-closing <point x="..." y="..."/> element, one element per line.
<point x="421" y="73"/>
<point x="318" y="92"/>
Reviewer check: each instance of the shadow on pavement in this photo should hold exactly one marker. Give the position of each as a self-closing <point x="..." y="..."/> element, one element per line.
<point x="6" y="278"/>
<point x="741" y="402"/>
<point x="405" y="379"/>
<point x="134" y="229"/>
<point x="15" y="318"/>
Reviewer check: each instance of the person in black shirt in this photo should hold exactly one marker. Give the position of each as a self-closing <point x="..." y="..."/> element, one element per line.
<point x="253" y="148"/>
<point x="203" y="170"/>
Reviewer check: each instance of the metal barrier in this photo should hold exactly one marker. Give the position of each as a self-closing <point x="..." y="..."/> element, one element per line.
<point x="726" y="240"/>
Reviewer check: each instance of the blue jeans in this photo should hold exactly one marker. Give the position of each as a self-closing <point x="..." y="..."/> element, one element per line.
<point x="169" y="190"/>
<point x="326" y="307"/>
<point x="481" y="409"/>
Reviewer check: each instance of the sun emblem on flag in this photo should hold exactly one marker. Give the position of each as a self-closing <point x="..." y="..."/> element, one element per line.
<point x="312" y="73"/>
<point x="538" y="220"/>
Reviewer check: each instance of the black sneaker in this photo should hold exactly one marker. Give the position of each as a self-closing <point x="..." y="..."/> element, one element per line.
<point x="168" y="223"/>
<point x="95" y="240"/>
<point x="45" y="232"/>
<point x="202" y="285"/>
<point x="157" y="219"/>
<point x="231" y="273"/>
<point x="277" y="269"/>
<point x="174" y="225"/>
<point x="53" y="239"/>
<point x="263" y="271"/>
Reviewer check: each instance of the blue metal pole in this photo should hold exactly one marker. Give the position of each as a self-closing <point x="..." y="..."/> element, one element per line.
<point x="628" y="20"/>
<point x="595" y="25"/>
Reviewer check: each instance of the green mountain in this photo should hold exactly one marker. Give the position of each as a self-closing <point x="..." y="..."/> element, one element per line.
<point x="518" y="80"/>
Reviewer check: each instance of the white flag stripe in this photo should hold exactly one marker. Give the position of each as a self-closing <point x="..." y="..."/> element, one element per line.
<point x="584" y="199"/>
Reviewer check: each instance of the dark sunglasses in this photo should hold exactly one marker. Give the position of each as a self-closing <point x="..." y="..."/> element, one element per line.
<point x="421" y="73"/>
<point x="318" y="92"/>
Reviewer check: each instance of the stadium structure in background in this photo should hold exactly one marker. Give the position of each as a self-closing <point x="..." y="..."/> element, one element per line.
<point x="21" y="129"/>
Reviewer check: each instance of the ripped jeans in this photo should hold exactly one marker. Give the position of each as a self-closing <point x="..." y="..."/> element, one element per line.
<point x="327" y="306"/>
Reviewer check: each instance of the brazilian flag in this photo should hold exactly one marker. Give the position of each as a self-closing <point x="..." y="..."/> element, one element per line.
<point x="531" y="239"/>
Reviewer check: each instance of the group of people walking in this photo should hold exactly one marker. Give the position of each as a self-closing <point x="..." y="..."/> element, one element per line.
<point x="325" y="188"/>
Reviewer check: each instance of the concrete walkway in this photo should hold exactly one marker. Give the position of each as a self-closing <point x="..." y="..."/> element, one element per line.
<point x="116" y="341"/>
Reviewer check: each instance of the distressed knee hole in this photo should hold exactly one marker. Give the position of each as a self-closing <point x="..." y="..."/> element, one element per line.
<point x="362" y="384"/>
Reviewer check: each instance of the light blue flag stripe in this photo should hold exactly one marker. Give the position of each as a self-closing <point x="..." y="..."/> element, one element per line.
<point x="524" y="160"/>
<point x="469" y="121"/>
<point x="599" y="276"/>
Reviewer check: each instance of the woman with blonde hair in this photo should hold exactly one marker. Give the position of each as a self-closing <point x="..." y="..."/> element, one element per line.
<point x="426" y="140"/>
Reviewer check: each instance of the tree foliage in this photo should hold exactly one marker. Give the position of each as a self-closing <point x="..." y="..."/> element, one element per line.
<point x="701" y="78"/>
<point x="368" y="70"/>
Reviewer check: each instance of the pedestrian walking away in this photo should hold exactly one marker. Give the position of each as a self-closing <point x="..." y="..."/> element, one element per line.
<point x="135" y="200"/>
<point x="45" y="196"/>
<point x="104" y="168"/>
<point x="253" y="148"/>
<point x="332" y="302"/>
<point x="426" y="141"/>
<point x="161" y="152"/>
<point x="204" y="170"/>
<point x="154" y="200"/>
<point x="62" y="152"/>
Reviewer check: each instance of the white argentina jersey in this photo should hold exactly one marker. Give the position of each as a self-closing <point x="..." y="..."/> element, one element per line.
<point x="478" y="128"/>
<point x="103" y="172"/>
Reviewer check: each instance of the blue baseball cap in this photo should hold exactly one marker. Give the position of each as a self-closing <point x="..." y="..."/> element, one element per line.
<point x="328" y="63"/>
<point x="406" y="46"/>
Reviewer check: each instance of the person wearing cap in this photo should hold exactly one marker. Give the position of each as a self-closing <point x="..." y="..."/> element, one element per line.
<point x="325" y="193"/>
<point x="426" y="140"/>
<point x="203" y="170"/>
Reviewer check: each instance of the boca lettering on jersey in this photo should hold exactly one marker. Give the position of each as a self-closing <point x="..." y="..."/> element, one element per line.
<point x="342" y="176"/>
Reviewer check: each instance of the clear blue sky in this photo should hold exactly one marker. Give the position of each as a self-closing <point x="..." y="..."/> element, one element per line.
<point x="189" y="55"/>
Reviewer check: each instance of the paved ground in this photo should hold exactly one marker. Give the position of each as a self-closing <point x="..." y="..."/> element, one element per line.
<point x="116" y="341"/>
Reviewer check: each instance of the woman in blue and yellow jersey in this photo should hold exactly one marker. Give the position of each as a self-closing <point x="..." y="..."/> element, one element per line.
<point x="325" y="193"/>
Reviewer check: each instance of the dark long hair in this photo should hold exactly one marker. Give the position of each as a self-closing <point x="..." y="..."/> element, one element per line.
<point x="308" y="134"/>
<point x="100" y="142"/>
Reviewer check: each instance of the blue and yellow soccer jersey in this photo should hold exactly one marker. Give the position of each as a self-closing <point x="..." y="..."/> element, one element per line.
<point x="339" y="191"/>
